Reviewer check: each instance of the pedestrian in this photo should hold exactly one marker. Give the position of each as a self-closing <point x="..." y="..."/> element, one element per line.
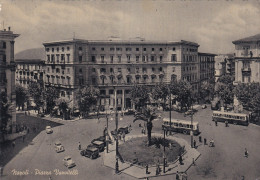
<point x="226" y="123"/>
<point x="200" y="139"/>
<point x="1" y="171"/>
<point x="180" y="160"/>
<point x="177" y="175"/>
<point x="216" y="122"/>
<point x="146" y="169"/>
<point x="246" y="153"/>
<point x="123" y="135"/>
<point x="211" y="143"/>
<point x="205" y="141"/>
<point x="23" y="137"/>
<point x="50" y="178"/>
<point x="79" y="146"/>
<point x="140" y="125"/>
<point x="194" y="144"/>
<point x="13" y="144"/>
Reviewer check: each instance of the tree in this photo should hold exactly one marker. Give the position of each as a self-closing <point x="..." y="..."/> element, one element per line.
<point x="36" y="91"/>
<point x="183" y="92"/>
<point x="161" y="92"/>
<point x="63" y="105"/>
<point x="50" y="96"/>
<point x="207" y="90"/>
<point x="4" y="110"/>
<point x="139" y="95"/>
<point x="86" y="98"/>
<point x="147" y="114"/>
<point x="224" y="89"/>
<point x="21" y="96"/>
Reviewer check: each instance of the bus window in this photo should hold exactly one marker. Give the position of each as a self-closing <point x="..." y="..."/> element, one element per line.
<point x="191" y="126"/>
<point x="175" y="124"/>
<point x="180" y="125"/>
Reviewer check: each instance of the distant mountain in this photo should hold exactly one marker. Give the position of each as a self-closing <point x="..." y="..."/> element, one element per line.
<point x="36" y="53"/>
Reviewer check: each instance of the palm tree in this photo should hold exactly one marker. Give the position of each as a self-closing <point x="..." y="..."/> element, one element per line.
<point x="147" y="115"/>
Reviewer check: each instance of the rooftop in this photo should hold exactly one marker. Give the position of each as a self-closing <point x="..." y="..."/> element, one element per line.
<point x="254" y="38"/>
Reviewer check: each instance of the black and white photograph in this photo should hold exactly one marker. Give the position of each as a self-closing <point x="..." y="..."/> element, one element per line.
<point x="129" y="89"/>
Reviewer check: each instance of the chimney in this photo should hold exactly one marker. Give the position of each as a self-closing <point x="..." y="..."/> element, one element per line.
<point x="9" y="28"/>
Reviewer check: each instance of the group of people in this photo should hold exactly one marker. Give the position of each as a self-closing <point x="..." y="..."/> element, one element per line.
<point x="211" y="142"/>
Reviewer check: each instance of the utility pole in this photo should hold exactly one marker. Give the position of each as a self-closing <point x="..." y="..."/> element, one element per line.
<point x="191" y="132"/>
<point x="164" y="154"/>
<point x="116" y="118"/>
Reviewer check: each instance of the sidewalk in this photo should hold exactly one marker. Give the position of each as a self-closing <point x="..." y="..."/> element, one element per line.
<point x="47" y="117"/>
<point x="140" y="172"/>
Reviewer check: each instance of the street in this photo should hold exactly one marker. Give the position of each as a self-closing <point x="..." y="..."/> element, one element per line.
<point x="224" y="161"/>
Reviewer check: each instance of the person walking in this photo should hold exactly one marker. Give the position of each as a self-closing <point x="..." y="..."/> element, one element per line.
<point x="177" y="175"/>
<point x="79" y="146"/>
<point x="146" y="169"/>
<point x="13" y="144"/>
<point x="216" y="122"/>
<point x="180" y="160"/>
<point x="246" y="153"/>
<point x="205" y="141"/>
<point x="194" y="144"/>
<point x="23" y="137"/>
<point x="200" y="139"/>
<point x="123" y="136"/>
<point x="226" y="123"/>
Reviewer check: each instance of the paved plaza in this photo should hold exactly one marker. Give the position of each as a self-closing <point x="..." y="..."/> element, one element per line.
<point x="224" y="161"/>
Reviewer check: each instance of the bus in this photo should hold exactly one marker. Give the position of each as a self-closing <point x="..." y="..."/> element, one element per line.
<point x="180" y="126"/>
<point x="231" y="117"/>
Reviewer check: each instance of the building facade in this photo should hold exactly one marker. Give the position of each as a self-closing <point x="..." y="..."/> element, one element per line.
<point x="220" y="66"/>
<point x="7" y="70"/>
<point x="206" y="67"/>
<point x="114" y="66"/>
<point x="247" y="59"/>
<point x="29" y="70"/>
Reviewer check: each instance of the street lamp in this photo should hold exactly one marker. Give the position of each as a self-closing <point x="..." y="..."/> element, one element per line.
<point x="191" y="132"/>
<point x="164" y="154"/>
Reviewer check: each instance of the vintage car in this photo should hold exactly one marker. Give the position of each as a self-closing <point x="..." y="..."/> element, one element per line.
<point x="100" y="145"/>
<point x="68" y="162"/>
<point x="58" y="147"/>
<point x="48" y="130"/>
<point x="90" y="152"/>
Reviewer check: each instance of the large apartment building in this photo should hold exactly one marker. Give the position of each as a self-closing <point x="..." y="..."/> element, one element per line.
<point x="116" y="65"/>
<point x="7" y="70"/>
<point x="206" y="67"/>
<point x="247" y="59"/>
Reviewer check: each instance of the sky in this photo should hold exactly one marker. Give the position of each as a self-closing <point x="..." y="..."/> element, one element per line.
<point x="212" y="24"/>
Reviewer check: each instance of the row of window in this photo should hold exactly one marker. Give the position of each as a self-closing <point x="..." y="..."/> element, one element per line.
<point x="60" y="58"/>
<point x="192" y="77"/>
<point x="229" y="116"/>
<point x="2" y="44"/>
<point x="57" y="70"/>
<point x="189" y="68"/>
<point x="57" y="49"/>
<point x="129" y="70"/>
<point x="29" y="67"/>
<point x="63" y="81"/>
<point x="129" y="49"/>
<point x="187" y="58"/>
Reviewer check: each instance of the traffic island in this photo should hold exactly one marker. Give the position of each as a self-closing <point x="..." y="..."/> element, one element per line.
<point x="134" y="157"/>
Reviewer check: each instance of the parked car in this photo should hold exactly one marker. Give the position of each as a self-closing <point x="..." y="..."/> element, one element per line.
<point x="90" y="152"/>
<point x="190" y="112"/>
<point x="100" y="145"/>
<point x="68" y="162"/>
<point x="40" y="115"/>
<point x="58" y="147"/>
<point x="48" y="130"/>
<point x="123" y="129"/>
<point x="204" y="106"/>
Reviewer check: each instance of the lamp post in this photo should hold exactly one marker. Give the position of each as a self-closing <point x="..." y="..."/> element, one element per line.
<point x="170" y="112"/>
<point x="164" y="155"/>
<point x="191" y="132"/>
<point x="116" y="119"/>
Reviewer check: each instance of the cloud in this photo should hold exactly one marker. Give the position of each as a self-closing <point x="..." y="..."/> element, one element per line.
<point x="231" y="23"/>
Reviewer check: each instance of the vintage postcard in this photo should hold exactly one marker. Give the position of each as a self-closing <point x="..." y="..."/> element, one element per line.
<point x="129" y="89"/>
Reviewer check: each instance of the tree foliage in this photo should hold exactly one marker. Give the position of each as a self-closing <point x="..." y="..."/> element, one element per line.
<point x="21" y="96"/>
<point x="63" y="105"/>
<point x="248" y="95"/>
<point x="160" y="93"/>
<point x="140" y="95"/>
<point x="50" y="96"/>
<point x="224" y="89"/>
<point x="36" y="91"/>
<point x="207" y="90"/>
<point x="182" y="90"/>
<point x="4" y="110"/>
<point x="147" y="114"/>
<point x="86" y="98"/>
